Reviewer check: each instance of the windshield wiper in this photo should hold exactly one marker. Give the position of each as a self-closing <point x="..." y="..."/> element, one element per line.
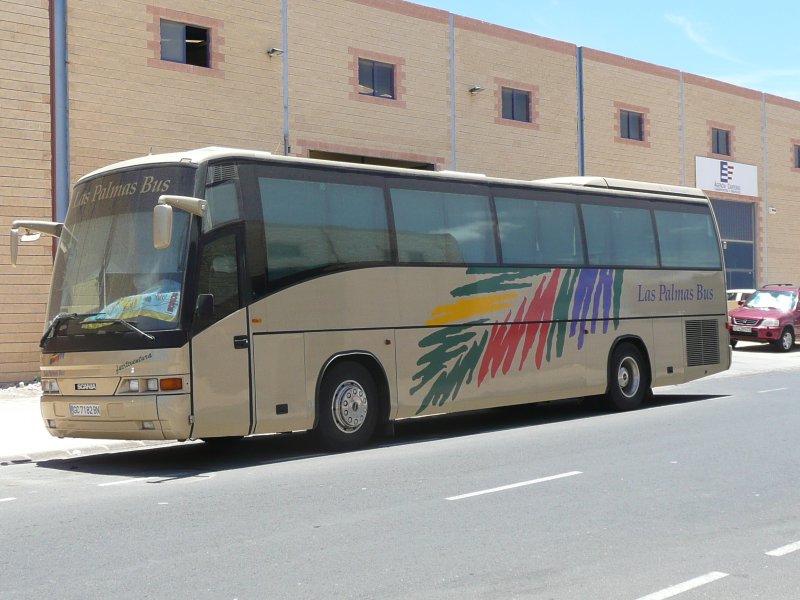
<point x="55" y="323"/>
<point x="122" y="322"/>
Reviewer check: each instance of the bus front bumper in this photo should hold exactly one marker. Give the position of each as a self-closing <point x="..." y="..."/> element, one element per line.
<point x="144" y="417"/>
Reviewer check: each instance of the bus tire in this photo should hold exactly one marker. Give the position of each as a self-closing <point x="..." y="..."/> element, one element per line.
<point x="786" y="342"/>
<point x="628" y="378"/>
<point x="348" y="407"/>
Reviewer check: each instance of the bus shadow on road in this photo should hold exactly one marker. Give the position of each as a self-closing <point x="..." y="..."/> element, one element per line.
<point x="175" y="462"/>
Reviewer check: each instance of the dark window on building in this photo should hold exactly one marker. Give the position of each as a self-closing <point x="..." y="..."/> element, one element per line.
<point x="375" y="78"/>
<point x="720" y="141"/>
<point x="516" y="105"/>
<point x="185" y="44"/>
<point x="796" y="156"/>
<point x="631" y="125"/>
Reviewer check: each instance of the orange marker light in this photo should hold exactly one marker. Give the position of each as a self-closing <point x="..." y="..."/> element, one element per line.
<point x="171" y="384"/>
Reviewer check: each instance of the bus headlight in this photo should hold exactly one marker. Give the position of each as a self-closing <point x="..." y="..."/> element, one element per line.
<point x="50" y="386"/>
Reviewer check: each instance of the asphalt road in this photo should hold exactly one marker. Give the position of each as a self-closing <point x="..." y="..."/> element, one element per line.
<point x="694" y="496"/>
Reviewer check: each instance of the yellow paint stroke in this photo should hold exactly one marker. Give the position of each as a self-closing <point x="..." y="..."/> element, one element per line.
<point x="470" y="307"/>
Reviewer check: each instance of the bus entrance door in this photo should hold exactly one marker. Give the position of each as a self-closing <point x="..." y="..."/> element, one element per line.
<point x="220" y="346"/>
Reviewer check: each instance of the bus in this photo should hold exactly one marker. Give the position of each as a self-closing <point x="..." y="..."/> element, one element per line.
<point x="218" y="293"/>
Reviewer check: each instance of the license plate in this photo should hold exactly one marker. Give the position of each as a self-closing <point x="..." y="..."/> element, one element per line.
<point x="742" y="329"/>
<point x="84" y="410"/>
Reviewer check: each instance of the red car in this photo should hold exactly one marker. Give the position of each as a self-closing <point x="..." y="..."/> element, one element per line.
<point x="771" y="314"/>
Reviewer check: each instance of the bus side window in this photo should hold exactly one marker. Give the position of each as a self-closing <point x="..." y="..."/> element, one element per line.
<point x="218" y="277"/>
<point x="223" y="204"/>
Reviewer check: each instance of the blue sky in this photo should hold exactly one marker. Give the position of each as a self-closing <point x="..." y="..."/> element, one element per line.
<point x="749" y="43"/>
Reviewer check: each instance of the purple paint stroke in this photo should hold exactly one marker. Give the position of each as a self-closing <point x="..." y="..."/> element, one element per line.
<point x="582" y="302"/>
<point x="603" y="291"/>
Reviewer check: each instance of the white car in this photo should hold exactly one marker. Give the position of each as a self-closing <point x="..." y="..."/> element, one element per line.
<point x="738" y="297"/>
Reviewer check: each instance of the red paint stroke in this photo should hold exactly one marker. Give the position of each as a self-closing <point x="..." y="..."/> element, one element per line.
<point x="505" y="338"/>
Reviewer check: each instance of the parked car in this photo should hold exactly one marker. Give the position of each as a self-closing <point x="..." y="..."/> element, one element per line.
<point x="738" y="297"/>
<point x="771" y="314"/>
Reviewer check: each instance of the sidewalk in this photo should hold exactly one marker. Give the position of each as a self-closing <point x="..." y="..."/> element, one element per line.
<point x="23" y="437"/>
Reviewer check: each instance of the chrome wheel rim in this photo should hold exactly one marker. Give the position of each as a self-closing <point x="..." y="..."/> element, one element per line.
<point x="628" y="377"/>
<point x="787" y="340"/>
<point x="349" y="407"/>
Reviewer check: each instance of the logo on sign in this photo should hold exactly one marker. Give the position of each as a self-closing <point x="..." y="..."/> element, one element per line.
<point x="85" y="387"/>
<point x="725" y="171"/>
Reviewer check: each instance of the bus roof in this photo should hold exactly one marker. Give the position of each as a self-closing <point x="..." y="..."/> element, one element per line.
<point x="202" y="155"/>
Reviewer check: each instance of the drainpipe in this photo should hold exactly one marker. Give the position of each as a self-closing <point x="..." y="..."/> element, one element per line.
<point x="683" y="132"/>
<point x="286" y="147"/>
<point x="765" y="192"/>
<point x="581" y="139"/>
<point x="453" y="155"/>
<point x="59" y="109"/>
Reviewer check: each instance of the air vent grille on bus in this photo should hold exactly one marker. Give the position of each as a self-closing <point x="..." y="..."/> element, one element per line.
<point x="218" y="173"/>
<point x="702" y="342"/>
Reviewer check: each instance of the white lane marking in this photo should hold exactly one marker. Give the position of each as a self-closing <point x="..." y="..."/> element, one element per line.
<point x="514" y="485"/>
<point x="123" y="481"/>
<point x="184" y="477"/>
<point x="7" y="499"/>
<point x="772" y="390"/>
<point x="685" y="586"/>
<point x="784" y="550"/>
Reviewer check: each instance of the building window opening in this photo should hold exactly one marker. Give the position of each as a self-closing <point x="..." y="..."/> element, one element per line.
<point x="796" y="156"/>
<point x="375" y="78"/>
<point x="720" y="141"/>
<point x="186" y="44"/>
<point x="516" y="105"/>
<point x="631" y="125"/>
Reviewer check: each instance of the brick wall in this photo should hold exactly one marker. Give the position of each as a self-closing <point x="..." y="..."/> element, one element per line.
<point x="494" y="57"/>
<point x="613" y="83"/>
<point x="783" y="133"/>
<point x="326" y="38"/>
<point x="24" y="180"/>
<point x="126" y="102"/>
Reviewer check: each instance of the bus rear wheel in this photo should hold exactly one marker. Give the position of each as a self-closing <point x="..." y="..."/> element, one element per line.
<point x="348" y="407"/>
<point x="628" y="378"/>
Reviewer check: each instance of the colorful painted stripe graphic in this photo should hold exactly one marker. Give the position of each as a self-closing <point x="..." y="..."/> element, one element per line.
<point x="543" y="308"/>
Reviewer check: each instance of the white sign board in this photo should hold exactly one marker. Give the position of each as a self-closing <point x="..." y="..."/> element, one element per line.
<point x="714" y="175"/>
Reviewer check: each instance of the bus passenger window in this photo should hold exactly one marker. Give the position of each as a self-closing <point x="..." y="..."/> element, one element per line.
<point x="619" y="236"/>
<point x="539" y="232"/>
<point x="440" y="227"/>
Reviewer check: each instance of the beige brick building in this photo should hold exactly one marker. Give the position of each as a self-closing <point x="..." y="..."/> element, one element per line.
<point x="462" y="94"/>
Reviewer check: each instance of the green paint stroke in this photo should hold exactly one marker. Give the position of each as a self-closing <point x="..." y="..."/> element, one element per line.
<point x="617" y="296"/>
<point x="453" y="347"/>
<point x="500" y="280"/>
<point x="561" y="313"/>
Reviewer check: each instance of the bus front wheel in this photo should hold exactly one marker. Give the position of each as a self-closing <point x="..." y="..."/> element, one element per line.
<point x="628" y="378"/>
<point x="348" y="407"/>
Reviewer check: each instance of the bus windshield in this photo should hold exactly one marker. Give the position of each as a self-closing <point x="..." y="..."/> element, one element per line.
<point x="106" y="270"/>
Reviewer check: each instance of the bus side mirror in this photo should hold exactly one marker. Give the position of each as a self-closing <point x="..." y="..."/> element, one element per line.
<point x="14" y="246"/>
<point x="162" y="226"/>
<point x="32" y="231"/>
<point x="204" y="307"/>
<point x="162" y="216"/>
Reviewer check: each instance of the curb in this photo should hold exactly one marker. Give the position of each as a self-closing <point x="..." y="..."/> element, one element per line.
<point x="19" y="459"/>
